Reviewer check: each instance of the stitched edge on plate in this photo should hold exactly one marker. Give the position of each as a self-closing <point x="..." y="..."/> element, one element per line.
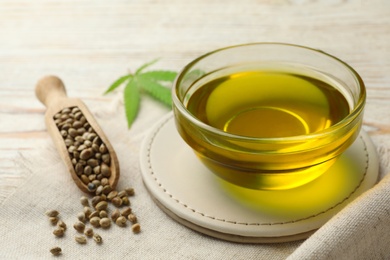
<point x="237" y="222"/>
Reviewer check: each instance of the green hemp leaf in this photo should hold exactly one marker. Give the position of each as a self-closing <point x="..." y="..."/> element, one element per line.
<point x="153" y="83"/>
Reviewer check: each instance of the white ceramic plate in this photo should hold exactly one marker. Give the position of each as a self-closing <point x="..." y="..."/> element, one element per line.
<point x="192" y="195"/>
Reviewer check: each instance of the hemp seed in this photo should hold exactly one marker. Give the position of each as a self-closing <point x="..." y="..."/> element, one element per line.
<point x="121" y="221"/>
<point x="112" y="195"/>
<point x="95" y="221"/>
<point x="132" y="218"/>
<point x="61" y="224"/>
<point x="136" y="228"/>
<point x="117" y="202"/>
<point x="95" y="200"/>
<point x="102" y="205"/>
<point x="99" y="189"/>
<point x="88" y="153"/>
<point x="106" y="189"/>
<point x="125" y="201"/>
<point x="130" y="191"/>
<point x="80" y="239"/>
<point x="96" y="170"/>
<point x="105" y="222"/>
<point x="104" y="197"/>
<point x="81" y="216"/>
<point x="53" y="220"/>
<point x="91" y="186"/>
<point x="106" y="158"/>
<point x="84" y="201"/>
<point x="94" y="214"/>
<point x="59" y="232"/>
<point x="84" y="179"/>
<point x="104" y="181"/>
<point x="52" y="213"/>
<point x="122" y="194"/>
<point x="126" y="211"/>
<point x="98" y="239"/>
<point x="56" y="250"/>
<point x="103" y="214"/>
<point x="85" y="153"/>
<point x="105" y="170"/>
<point x="103" y="148"/>
<point x="93" y="163"/>
<point x="87" y="211"/>
<point x="115" y="214"/>
<point x="88" y="232"/>
<point x="79" y="226"/>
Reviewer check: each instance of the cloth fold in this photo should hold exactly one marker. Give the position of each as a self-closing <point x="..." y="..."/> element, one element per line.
<point x="360" y="231"/>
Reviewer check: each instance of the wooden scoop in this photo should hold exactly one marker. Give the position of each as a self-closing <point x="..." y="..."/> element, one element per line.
<point x="51" y="92"/>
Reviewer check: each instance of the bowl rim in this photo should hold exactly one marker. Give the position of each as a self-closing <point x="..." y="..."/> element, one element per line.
<point x="316" y="135"/>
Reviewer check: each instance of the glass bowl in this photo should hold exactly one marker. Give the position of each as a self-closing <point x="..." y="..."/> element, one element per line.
<point x="268" y="116"/>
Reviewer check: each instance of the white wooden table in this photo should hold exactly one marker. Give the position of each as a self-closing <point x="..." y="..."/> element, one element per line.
<point x="91" y="43"/>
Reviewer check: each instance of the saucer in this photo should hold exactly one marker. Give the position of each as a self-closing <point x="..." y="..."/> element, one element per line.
<point x="193" y="196"/>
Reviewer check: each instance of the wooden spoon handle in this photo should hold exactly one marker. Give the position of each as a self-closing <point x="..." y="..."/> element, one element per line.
<point x="50" y="90"/>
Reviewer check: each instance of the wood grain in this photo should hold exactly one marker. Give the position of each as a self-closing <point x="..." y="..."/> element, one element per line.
<point x="91" y="43"/>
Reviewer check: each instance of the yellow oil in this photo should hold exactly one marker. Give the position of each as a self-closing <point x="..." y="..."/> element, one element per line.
<point x="320" y="195"/>
<point x="268" y="104"/>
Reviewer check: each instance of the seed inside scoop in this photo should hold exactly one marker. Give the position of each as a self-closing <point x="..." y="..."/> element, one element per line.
<point x="88" y="153"/>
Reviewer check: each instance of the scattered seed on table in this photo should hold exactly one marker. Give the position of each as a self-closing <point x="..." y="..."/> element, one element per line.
<point x="102" y="205"/>
<point x="105" y="222"/>
<point x="81" y="216"/>
<point x="121" y="221"/>
<point x="59" y="232"/>
<point x="117" y="202"/>
<point x="80" y="239"/>
<point x="115" y="214"/>
<point x="95" y="221"/>
<point x="132" y="218"/>
<point x="122" y="194"/>
<point x="106" y="189"/>
<point x="98" y="239"/>
<point x="95" y="200"/>
<point x="61" y="224"/>
<point x="125" y="201"/>
<point x="126" y="211"/>
<point x="79" y="226"/>
<point x="87" y="211"/>
<point x="94" y="214"/>
<point x="84" y="201"/>
<point x="52" y="213"/>
<point x="88" y="232"/>
<point x="136" y="228"/>
<point x="53" y="220"/>
<point x="112" y="195"/>
<point x="103" y="214"/>
<point x="56" y="250"/>
<point x="130" y="191"/>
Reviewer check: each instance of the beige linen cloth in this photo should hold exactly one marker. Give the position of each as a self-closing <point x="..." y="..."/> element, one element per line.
<point x="360" y="231"/>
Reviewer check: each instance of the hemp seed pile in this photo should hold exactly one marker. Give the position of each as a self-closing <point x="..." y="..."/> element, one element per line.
<point x="91" y="161"/>
<point x="96" y="214"/>
<point x="89" y="155"/>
